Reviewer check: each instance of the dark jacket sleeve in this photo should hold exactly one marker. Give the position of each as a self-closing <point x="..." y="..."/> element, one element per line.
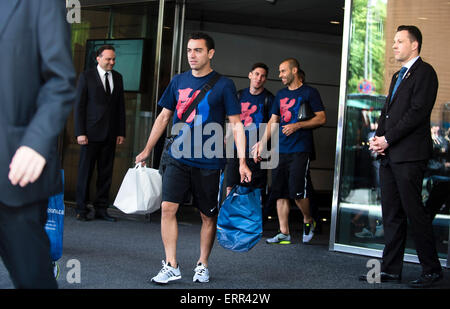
<point x="80" y="106"/>
<point x="122" y="113"/>
<point x="381" y="120"/>
<point x="380" y="123"/>
<point x="55" y="97"/>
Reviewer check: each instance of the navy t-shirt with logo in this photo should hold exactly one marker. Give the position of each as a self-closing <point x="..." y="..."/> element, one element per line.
<point x="254" y="111"/>
<point x="286" y="105"/>
<point x="219" y="102"/>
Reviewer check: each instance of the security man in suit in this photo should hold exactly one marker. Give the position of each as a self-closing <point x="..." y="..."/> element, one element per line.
<point x="37" y="91"/>
<point x="99" y="126"/>
<point x="403" y="143"/>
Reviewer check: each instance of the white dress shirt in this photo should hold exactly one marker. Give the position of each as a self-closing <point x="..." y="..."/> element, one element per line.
<point x="409" y="64"/>
<point x="102" y="72"/>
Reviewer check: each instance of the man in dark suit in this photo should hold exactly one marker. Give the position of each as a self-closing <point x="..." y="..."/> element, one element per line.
<point x="36" y="96"/>
<point x="99" y="126"/>
<point x="403" y="143"/>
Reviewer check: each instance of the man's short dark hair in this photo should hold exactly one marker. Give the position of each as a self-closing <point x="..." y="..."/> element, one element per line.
<point x="302" y="75"/>
<point x="203" y="36"/>
<point x="103" y="48"/>
<point x="414" y="34"/>
<point x="260" y="65"/>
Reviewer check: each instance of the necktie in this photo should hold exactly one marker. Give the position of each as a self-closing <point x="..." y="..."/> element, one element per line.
<point x="399" y="80"/>
<point x="107" y="86"/>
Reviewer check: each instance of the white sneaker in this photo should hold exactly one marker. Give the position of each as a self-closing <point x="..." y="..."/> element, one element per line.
<point x="308" y="231"/>
<point x="167" y="273"/>
<point x="365" y="233"/>
<point x="280" y="238"/>
<point x="201" y="274"/>
<point x="379" y="231"/>
<point x="55" y="270"/>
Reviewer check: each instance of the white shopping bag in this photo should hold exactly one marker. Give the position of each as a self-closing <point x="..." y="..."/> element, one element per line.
<point x="140" y="191"/>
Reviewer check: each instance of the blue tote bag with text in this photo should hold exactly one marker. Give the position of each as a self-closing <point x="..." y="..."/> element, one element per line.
<point x="55" y="223"/>
<point x="239" y="225"/>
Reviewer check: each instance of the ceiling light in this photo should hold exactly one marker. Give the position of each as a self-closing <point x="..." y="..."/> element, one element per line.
<point x="422" y="18"/>
<point x="334" y="22"/>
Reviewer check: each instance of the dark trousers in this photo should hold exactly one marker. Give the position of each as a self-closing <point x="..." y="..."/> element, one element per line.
<point x="401" y="198"/>
<point x="439" y="195"/>
<point x="102" y="154"/>
<point x="25" y="247"/>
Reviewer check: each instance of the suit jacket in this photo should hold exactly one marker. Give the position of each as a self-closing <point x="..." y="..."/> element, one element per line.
<point x="405" y="121"/>
<point x="37" y="91"/>
<point x="97" y="115"/>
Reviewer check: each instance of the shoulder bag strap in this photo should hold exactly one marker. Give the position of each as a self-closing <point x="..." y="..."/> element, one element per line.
<point x="208" y="86"/>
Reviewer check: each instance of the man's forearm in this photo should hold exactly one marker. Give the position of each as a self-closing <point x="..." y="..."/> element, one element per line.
<point x="158" y="129"/>
<point x="239" y="139"/>
<point x="268" y="133"/>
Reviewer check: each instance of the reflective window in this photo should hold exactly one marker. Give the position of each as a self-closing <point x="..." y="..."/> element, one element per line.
<point x="132" y="21"/>
<point x="371" y="65"/>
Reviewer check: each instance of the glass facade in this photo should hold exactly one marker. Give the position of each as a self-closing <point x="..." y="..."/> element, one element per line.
<point x="113" y="22"/>
<point x="370" y="63"/>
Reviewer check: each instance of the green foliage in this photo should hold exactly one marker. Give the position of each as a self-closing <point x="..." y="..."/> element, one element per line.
<point x="367" y="45"/>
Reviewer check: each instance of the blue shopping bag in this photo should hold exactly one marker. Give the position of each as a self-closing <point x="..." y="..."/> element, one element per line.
<point x="239" y="225"/>
<point x="55" y="223"/>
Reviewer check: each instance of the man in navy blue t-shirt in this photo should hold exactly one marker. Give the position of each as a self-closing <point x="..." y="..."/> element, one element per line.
<point x="290" y="178"/>
<point x="256" y="103"/>
<point x="196" y="155"/>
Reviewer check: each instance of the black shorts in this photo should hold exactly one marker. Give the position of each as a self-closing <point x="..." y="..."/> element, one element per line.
<point x="290" y="179"/>
<point x="232" y="176"/>
<point x="179" y="178"/>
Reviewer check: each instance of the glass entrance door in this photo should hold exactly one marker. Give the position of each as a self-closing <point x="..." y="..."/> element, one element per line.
<point x="151" y="23"/>
<point x="368" y="65"/>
